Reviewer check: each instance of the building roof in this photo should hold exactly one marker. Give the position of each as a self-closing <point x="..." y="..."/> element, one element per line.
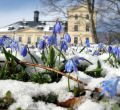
<point x="40" y="25"/>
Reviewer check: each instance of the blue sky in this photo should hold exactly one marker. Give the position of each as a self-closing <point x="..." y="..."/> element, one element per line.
<point x="15" y="10"/>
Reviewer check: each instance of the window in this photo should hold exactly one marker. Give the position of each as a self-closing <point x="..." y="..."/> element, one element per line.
<point x="76" y="17"/>
<point x="44" y="23"/>
<point x="29" y="40"/>
<point x="76" y="28"/>
<point x="87" y="16"/>
<point x="11" y="28"/>
<point x="16" y="38"/>
<point x="65" y="28"/>
<point x="21" y="27"/>
<point x="38" y="38"/>
<point x="40" y="28"/>
<point x="87" y="27"/>
<point x="20" y="39"/>
<point x="76" y="40"/>
<point x="50" y="28"/>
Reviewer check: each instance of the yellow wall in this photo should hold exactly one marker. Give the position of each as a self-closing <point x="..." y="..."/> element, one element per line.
<point x="81" y="22"/>
<point x="29" y="32"/>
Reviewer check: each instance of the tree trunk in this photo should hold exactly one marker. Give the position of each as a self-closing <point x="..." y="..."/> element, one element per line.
<point x="90" y="4"/>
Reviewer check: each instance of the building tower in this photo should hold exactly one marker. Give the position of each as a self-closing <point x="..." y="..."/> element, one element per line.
<point x="36" y="16"/>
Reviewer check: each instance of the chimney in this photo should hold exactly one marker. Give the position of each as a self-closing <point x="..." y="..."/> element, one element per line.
<point x="36" y="16"/>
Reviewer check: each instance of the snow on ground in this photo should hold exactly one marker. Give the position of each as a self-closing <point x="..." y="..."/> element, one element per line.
<point x="24" y="91"/>
<point x="89" y="105"/>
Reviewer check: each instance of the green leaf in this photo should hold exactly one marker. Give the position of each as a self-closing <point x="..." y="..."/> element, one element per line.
<point x="43" y="57"/>
<point x="115" y="107"/>
<point x="4" y="72"/>
<point x="60" y="53"/>
<point x="82" y="49"/>
<point x="98" y="64"/>
<point x="8" y="94"/>
<point x="95" y="72"/>
<point x="32" y="56"/>
<point x="51" y="57"/>
<point x="7" y="56"/>
<point x="19" y="108"/>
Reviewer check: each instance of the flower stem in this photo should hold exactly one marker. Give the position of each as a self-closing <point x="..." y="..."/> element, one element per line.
<point x="69" y="83"/>
<point x="78" y="83"/>
<point x="31" y="59"/>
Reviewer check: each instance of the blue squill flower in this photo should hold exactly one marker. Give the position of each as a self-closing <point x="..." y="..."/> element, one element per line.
<point x="24" y="51"/>
<point x="45" y="37"/>
<point x="71" y="66"/>
<point x="77" y="59"/>
<point x="1" y="42"/>
<point x="14" y="46"/>
<point x="67" y="38"/>
<point x="87" y="42"/>
<point x="6" y="41"/>
<point x="4" y="37"/>
<point x="100" y="46"/>
<point x="52" y="40"/>
<point x="96" y="53"/>
<point x="57" y="27"/>
<point x="116" y="50"/>
<point x="109" y="87"/>
<point x="63" y="46"/>
<point x="110" y="50"/>
<point x="41" y="44"/>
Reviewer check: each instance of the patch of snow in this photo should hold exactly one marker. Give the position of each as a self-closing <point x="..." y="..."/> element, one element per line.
<point x="89" y="105"/>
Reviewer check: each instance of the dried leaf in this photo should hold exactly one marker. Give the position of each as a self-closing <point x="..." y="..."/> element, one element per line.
<point x="72" y="102"/>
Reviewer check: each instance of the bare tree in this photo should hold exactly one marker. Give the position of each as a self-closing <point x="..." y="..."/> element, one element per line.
<point x="109" y="18"/>
<point x="108" y="13"/>
<point x="91" y="9"/>
<point x="61" y="5"/>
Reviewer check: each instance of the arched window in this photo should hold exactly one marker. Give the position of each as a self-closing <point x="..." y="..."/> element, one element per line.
<point x="29" y="40"/>
<point x="87" y="27"/>
<point x="87" y="16"/>
<point x="76" y="28"/>
<point x="76" y="17"/>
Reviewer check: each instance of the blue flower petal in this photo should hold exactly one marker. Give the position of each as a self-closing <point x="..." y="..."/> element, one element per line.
<point x="57" y="28"/>
<point x="67" y="38"/>
<point x="109" y="86"/>
<point x="63" y="46"/>
<point x="41" y="44"/>
<point x="24" y="51"/>
<point x="87" y="42"/>
<point x="71" y="66"/>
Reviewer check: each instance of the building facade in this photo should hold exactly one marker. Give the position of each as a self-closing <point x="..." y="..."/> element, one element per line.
<point x="79" y="24"/>
<point x="29" y="32"/>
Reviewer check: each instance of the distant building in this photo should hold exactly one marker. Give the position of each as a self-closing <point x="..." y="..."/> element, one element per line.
<point x="30" y="31"/>
<point x="79" y="24"/>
